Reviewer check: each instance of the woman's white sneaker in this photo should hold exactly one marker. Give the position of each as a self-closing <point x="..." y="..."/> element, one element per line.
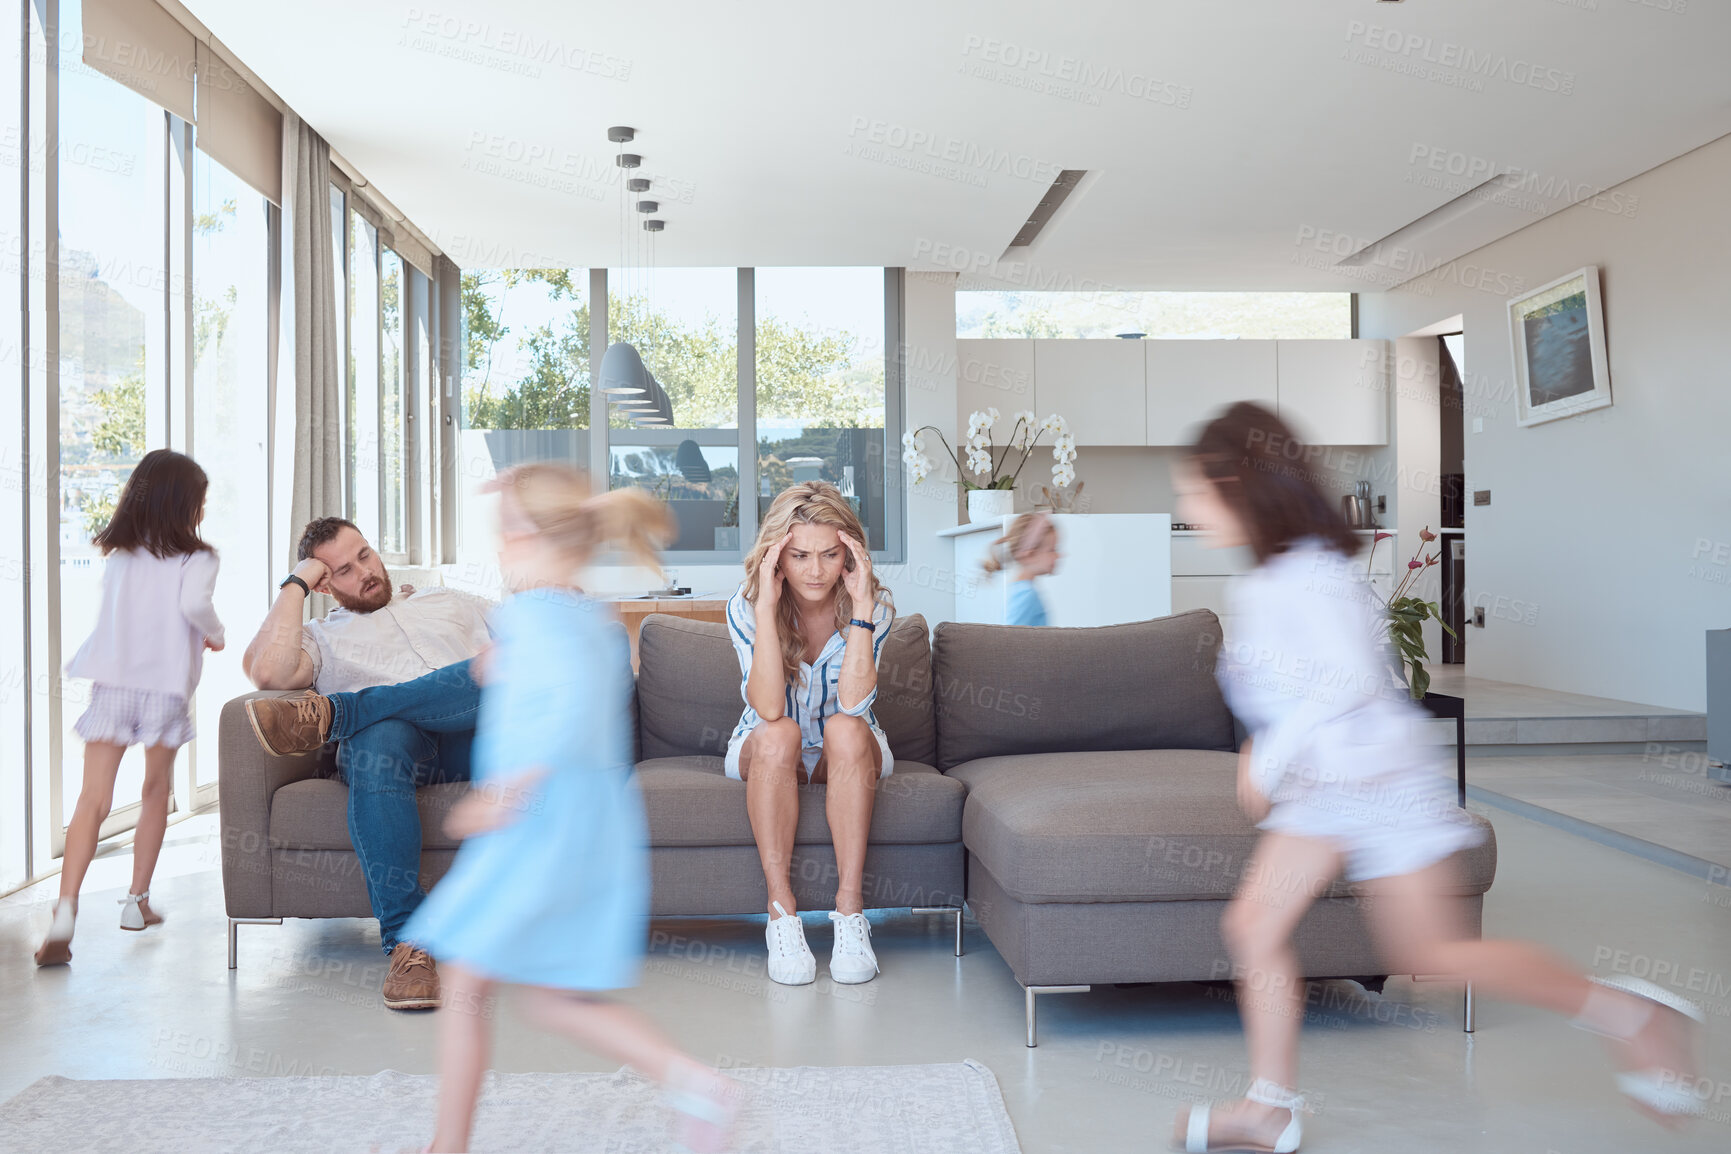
<point x="852" y="961"/>
<point x="790" y="960"/>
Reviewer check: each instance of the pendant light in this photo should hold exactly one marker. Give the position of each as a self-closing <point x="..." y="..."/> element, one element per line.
<point x="630" y="387"/>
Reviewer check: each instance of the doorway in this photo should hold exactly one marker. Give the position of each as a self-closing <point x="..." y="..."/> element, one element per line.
<point x="1451" y="472"/>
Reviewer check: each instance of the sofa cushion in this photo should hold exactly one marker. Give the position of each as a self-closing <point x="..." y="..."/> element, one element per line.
<point x="688" y="699"/>
<point x="691" y="802"/>
<point x="314" y="814"/>
<point x="1001" y="689"/>
<point x="1142" y="825"/>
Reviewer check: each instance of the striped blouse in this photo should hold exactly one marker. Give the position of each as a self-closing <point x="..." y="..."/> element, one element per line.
<point x="817" y="698"/>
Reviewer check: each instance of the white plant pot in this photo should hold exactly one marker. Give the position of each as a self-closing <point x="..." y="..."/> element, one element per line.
<point x="990" y="504"/>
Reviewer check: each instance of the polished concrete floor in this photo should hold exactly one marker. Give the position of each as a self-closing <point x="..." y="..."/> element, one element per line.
<point x="1663" y="798"/>
<point x="1636" y="773"/>
<point x="1390" y="1074"/>
<point x="1488" y="698"/>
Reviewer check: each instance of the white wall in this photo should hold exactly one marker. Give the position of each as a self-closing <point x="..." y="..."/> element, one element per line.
<point x="1601" y="558"/>
<point x="927" y="582"/>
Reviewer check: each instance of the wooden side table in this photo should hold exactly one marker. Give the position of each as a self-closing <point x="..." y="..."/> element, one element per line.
<point x="697" y="606"/>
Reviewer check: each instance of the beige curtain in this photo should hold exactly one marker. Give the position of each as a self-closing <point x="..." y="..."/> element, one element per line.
<point x="312" y="304"/>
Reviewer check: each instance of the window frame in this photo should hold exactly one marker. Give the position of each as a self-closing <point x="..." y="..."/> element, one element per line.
<point x="745" y="438"/>
<point x="419" y="296"/>
<point x="405" y="414"/>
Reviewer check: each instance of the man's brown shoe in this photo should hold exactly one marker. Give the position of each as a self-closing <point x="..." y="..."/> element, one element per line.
<point x="413" y="980"/>
<point x="285" y="725"/>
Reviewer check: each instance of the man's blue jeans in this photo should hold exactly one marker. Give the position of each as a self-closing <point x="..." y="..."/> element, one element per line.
<point x="392" y="738"/>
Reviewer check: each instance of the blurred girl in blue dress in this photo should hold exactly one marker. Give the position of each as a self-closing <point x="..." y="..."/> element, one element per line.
<point x="550" y="890"/>
<point x="1029" y="549"/>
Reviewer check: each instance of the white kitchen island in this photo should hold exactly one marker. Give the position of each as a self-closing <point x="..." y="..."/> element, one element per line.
<point x="1115" y="567"/>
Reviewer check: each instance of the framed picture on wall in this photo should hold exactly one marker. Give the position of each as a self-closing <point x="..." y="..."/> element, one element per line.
<point x="1558" y="331"/>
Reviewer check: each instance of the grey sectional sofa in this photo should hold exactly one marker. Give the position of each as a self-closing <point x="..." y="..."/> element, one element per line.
<point x="1074" y="786"/>
<point x="1102" y="825"/>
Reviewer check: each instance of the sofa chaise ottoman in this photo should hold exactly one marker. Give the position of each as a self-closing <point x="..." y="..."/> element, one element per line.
<point x="1102" y="826"/>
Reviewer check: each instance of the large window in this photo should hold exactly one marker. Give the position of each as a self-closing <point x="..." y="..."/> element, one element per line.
<point x="820" y="385"/>
<point x="1197" y="315"/>
<point x="230" y="421"/>
<point x="366" y="485"/>
<point x="339" y="273"/>
<point x="685" y="324"/>
<point x="815" y="398"/>
<point x="15" y="697"/>
<point x="136" y="312"/>
<point x="525" y="373"/>
<point x="393" y="539"/>
<point x="113" y="385"/>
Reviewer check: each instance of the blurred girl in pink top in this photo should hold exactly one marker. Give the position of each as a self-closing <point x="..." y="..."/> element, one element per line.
<point x="144" y="657"/>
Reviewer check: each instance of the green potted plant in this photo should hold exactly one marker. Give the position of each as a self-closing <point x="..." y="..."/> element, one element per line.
<point x="1407" y="613"/>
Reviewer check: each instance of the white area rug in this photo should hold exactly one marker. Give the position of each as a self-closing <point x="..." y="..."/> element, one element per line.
<point x="948" y="1108"/>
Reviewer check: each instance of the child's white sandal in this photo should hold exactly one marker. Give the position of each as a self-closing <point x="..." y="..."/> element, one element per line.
<point x="1656" y="1088"/>
<point x="1263" y="1092"/>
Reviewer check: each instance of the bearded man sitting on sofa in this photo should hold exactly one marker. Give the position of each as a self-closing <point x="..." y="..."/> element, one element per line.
<point x="392" y="685"/>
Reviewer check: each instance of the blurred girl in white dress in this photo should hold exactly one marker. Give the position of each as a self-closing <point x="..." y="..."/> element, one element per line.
<point x="1332" y="777"/>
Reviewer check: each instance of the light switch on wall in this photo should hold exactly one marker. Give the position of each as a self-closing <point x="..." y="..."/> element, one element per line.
<point x="1478" y="424"/>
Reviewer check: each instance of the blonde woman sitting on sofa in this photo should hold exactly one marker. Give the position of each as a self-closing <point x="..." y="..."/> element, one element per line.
<point x="809" y="623"/>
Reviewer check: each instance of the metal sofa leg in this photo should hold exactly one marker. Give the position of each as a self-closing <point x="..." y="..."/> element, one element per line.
<point x="1467" y="1010"/>
<point x="956" y="910"/>
<point x="233" y="935"/>
<point x="1029" y="994"/>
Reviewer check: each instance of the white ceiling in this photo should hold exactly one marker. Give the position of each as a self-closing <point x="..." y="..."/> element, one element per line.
<point x="1281" y="135"/>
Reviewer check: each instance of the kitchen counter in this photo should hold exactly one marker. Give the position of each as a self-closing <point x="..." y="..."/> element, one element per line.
<point x="1390" y="532"/>
<point x="1115" y="567"/>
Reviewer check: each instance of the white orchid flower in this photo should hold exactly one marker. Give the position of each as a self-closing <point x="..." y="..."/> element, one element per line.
<point x="992" y="415"/>
<point x="1055" y="424"/>
<point x="1065" y="440"/>
<point x="980" y="461"/>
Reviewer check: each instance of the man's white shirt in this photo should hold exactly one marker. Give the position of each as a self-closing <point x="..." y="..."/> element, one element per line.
<point x="410" y="637"/>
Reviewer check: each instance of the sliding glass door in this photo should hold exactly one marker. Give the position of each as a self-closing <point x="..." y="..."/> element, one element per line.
<point x="230" y="428"/>
<point x="112" y="296"/>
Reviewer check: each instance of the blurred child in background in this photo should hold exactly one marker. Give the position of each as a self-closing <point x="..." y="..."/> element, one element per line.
<point x="153" y="625"/>
<point x="550" y="890"/>
<point x="1029" y="549"/>
<point x="1332" y="776"/>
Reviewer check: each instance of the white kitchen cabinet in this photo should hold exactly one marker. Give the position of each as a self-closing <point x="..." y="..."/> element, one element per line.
<point x="1100" y="386"/>
<point x="993" y="374"/>
<point x="1334" y="392"/>
<point x="1190" y="382"/>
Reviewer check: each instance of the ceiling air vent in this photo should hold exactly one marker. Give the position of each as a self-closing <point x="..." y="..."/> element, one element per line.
<point x="1061" y="188"/>
<point x="1408" y="235"/>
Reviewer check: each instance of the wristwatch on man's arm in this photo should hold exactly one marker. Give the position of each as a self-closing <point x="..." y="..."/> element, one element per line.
<point x="294" y="580"/>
